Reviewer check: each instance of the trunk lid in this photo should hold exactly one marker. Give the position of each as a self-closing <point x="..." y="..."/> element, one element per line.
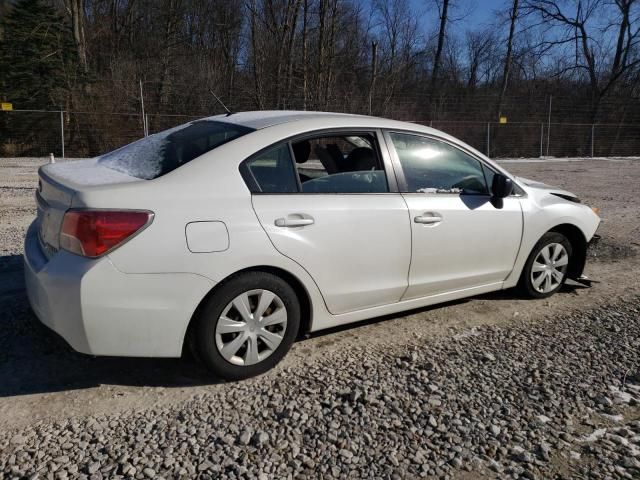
<point x="58" y="184"/>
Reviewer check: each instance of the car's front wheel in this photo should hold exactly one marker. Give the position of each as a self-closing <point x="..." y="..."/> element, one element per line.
<point x="247" y="326"/>
<point x="546" y="268"/>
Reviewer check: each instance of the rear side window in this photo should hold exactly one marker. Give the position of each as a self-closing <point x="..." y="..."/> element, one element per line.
<point x="273" y="170"/>
<point x="158" y="154"/>
<point x="346" y="163"/>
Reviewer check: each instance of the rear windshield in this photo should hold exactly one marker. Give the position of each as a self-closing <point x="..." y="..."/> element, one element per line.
<point x="155" y="155"/>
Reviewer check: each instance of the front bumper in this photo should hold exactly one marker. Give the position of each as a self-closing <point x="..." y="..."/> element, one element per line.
<point x="99" y="310"/>
<point x="594" y="241"/>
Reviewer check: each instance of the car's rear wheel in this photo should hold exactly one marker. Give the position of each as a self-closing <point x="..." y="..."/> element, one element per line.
<point x="546" y="268"/>
<point x="247" y="326"/>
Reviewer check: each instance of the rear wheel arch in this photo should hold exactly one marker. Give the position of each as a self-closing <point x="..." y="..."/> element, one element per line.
<point x="300" y="290"/>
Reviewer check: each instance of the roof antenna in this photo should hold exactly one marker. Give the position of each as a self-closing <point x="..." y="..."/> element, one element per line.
<point x="229" y="112"/>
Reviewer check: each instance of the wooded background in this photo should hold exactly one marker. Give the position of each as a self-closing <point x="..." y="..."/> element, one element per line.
<point x="576" y="59"/>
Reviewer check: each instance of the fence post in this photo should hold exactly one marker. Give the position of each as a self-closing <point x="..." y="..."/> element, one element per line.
<point x="62" y="131"/>
<point x="593" y="133"/>
<point x="144" y="121"/>
<point x="549" y="125"/>
<point x="541" y="139"/>
<point x="146" y="124"/>
<point x="488" y="138"/>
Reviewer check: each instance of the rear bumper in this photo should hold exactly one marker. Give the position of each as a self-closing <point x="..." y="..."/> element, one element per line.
<point x="99" y="310"/>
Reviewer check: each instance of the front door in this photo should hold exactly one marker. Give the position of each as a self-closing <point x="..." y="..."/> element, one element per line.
<point x="460" y="237"/>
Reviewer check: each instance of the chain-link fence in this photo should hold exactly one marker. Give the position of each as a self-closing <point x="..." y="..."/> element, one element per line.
<point x="35" y="133"/>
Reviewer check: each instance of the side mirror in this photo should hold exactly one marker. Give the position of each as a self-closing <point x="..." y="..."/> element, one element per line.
<point x="501" y="186"/>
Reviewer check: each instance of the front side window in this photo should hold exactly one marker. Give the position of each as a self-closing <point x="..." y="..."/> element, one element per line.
<point x="160" y="153"/>
<point x="431" y="166"/>
<point x="347" y="163"/>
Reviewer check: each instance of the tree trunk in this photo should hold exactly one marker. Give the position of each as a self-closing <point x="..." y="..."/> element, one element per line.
<point x="374" y="72"/>
<point x="507" y="60"/>
<point x="167" y="47"/>
<point x="75" y="8"/>
<point x="257" y="77"/>
<point x="305" y="53"/>
<point x="441" y="34"/>
<point x="290" y="52"/>
<point x="321" y="51"/>
<point x="332" y="46"/>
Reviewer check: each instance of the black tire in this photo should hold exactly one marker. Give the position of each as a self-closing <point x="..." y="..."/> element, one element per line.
<point x="209" y="314"/>
<point x="525" y="285"/>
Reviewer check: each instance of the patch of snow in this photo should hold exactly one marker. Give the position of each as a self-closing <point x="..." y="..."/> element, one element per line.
<point x="574" y="455"/>
<point x="618" y="439"/>
<point x="543" y="419"/>
<point x="595" y="435"/>
<point x="613" y="418"/>
<point x="142" y="158"/>
<point x="468" y="333"/>
<point x="439" y="190"/>
<point x="86" y="173"/>
<point x="634" y="388"/>
<point x="620" y="396"/>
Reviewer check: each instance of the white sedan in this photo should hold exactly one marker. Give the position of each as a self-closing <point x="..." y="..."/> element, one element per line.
<point x="234" y="234"/>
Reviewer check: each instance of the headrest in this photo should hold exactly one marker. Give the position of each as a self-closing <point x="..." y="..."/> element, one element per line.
<point x="302" y="150"/>
<point x="362" y="158"/>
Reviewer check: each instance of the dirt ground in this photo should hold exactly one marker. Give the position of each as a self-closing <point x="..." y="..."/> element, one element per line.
<point x="41" y="378"/>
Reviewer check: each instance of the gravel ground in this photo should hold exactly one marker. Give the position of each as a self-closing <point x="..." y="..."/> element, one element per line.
<point x="522" y="401"/>
<point x="489" y="387"/>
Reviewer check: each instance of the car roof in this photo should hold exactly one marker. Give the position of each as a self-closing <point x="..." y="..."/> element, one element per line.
<point x="259" y="120"/>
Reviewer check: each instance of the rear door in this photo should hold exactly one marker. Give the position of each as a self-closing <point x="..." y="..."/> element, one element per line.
<point x="327" y="203"/>
<point x="461" y="238"/>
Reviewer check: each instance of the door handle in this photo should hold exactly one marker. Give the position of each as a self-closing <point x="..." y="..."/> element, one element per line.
<point x="295" y="220"/>
<point x="428" y="218"/>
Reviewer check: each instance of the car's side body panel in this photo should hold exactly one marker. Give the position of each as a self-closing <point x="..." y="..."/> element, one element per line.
<point x="357" y="249"/>
<point x="322" y="322"/>
<point x="474" y="244"/>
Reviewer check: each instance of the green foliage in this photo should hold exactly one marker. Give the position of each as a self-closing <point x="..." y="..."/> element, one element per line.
<point x="35" y="56"/>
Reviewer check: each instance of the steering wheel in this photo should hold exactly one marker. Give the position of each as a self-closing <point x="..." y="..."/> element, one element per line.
<point x="470" y="182"/>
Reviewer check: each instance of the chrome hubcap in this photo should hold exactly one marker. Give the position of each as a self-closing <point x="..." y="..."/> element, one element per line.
<point x="251" y="327"/>
<point x="549" y="267"/>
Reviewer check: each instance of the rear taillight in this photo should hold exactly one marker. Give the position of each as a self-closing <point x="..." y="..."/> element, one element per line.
<point x="92" y="233"/>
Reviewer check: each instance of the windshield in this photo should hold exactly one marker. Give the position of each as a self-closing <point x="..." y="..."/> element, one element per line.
<point x="158" y="154"/>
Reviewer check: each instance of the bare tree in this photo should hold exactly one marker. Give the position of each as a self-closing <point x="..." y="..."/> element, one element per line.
<point x="513" y="16"/>
<point x="305" y="54"/>
<point x="480" y="46"/>
<point x="398" y="43"/>
<point x="443" y="10"/>
<point x="592" y="55"/>
<point x="256" y="54"/>
<point x="75" y="11"/>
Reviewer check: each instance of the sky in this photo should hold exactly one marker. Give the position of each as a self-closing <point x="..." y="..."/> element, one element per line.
<point x="474" y="12"/>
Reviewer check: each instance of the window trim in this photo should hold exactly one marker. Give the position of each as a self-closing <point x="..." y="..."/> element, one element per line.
<point x="382" y="150"/>
<point x="402" y="183"/>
